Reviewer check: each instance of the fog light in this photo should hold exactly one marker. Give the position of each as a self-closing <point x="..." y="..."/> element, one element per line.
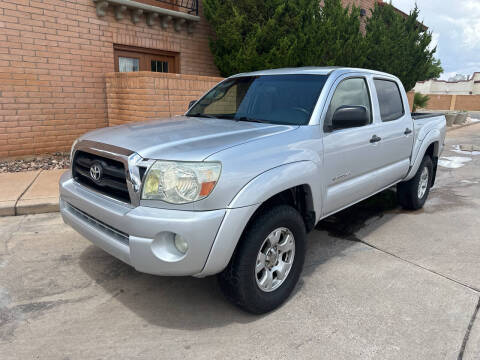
<point x="181" y="244"/>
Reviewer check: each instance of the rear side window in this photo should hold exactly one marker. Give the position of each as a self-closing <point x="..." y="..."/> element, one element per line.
<point x="389" y="99"/>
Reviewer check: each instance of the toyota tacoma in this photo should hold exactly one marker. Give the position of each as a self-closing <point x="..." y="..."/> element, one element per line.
<point x="233" y="186"/>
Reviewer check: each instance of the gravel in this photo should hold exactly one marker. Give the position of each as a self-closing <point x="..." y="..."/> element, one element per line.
<point x="44" y="162"/>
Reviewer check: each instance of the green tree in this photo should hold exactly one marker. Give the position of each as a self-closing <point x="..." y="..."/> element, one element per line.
<point x="399" y="46"/>
<point x="259" y="34"/>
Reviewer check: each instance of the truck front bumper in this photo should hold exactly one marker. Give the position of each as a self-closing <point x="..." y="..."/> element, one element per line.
<point x="143" y="237"/>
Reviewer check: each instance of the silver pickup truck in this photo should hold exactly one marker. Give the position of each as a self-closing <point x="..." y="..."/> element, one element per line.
<point x="233" y="186"/>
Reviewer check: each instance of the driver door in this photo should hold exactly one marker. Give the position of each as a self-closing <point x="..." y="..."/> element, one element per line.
<point x="349" y="155"/>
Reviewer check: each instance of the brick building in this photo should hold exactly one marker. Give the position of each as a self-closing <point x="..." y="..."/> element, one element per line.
<point x="57" y="58"/>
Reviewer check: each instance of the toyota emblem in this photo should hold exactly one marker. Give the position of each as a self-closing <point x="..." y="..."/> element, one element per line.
<point x="96" y="172"/>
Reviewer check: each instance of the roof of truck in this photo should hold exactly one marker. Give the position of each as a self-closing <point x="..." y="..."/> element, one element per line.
<point x="314" y="70"/>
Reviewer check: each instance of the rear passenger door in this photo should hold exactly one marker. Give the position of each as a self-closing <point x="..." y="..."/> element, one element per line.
<point x="396" y="132"/>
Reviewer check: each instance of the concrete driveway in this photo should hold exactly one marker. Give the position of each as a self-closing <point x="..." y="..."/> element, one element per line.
<point x="379" y="283"/>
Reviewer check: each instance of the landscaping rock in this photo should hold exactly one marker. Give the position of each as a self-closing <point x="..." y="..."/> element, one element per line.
<point x="43" y="162"/>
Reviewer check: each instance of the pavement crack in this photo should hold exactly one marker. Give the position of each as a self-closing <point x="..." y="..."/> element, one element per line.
<point x="24" y="191"/>
<point x="469" y="329"/>
<point x="11" y="234"/>
<point x="417" y="265"/>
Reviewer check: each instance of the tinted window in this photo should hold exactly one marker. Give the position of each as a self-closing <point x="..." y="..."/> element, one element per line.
<point x="349" y="92"/>
<point x="281" y="99"/>
<point x="389" y="99"/>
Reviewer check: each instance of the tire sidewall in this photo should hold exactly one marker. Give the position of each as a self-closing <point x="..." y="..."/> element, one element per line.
<point x="426" y="163"/>
<point x="285" y="216"/>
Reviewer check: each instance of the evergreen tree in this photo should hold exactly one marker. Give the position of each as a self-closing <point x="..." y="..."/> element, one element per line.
<point x="252" y="34"/>
<point x="262" y="34"/>
<point x="337" y="37"/>
<point x="399" y="46"/>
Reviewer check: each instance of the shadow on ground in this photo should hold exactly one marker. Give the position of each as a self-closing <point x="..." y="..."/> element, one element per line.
<point x="191" y="303"/>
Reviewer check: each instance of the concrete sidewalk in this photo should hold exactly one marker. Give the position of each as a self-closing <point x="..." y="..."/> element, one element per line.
<point x="30" y="192"/>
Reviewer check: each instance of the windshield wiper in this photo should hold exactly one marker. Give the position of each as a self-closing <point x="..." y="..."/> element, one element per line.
<point x="203" y="115"/>
<point x="249" y="119"/>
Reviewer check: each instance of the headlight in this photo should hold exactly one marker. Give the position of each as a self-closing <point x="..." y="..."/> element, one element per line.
<point x="71" y="150"/>
<point x="180" y="182"/>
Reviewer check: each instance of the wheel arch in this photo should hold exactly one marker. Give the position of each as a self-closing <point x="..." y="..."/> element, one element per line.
<point x="431" y="146"/>
<point x="288" y="184"/>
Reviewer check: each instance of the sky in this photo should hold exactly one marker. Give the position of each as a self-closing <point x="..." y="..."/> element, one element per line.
<point x="456" y="32"/>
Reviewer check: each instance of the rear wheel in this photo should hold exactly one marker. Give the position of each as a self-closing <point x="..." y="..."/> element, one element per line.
<point x="268" y="261"/>
<point x="413" y="193"/>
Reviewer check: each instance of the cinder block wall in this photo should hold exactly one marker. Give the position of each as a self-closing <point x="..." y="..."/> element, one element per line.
<point x="53" y="58"/>
<point x="143" y="95"/>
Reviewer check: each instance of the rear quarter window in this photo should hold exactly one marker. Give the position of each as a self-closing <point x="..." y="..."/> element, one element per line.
<point x="389" y="99"/>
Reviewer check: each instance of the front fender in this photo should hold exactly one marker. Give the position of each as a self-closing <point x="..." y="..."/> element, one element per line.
<point x="420" y="149"/>
<point x="249" y="199"/>
<point x="278" y="179"/>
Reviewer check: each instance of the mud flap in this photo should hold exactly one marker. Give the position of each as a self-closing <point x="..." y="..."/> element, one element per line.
<point x="434" y="175"/>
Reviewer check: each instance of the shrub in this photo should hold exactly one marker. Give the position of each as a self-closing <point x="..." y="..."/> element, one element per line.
<point x="420" y="101"/>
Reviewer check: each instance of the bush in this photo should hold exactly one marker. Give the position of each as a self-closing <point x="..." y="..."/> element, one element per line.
<point x="420" y="101"/>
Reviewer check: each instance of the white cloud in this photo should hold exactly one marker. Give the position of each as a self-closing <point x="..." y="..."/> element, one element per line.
<point x="455" y="26"/>
<point x="471" y="33"/>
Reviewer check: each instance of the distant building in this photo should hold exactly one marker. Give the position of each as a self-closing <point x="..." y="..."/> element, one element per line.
<point x="458" y="87"/>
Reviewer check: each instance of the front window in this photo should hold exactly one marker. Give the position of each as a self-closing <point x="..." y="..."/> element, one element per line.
<point x="351" y="91"/>
<point x="278" y="99"/>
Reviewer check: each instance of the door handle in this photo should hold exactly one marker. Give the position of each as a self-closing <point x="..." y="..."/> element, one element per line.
<point x="407" y="131"/>
<point x="375" y="139"/>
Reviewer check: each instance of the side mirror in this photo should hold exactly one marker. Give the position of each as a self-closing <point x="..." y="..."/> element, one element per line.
<point x="191" y="103"/>
<point x="349" y="116"/>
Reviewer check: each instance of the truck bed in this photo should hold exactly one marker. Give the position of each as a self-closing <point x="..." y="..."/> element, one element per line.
<point x="418" y="116"/>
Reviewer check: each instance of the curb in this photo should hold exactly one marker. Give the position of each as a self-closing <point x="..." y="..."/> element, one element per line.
<point x="36" y="206"/>
<point x="38" y="195"/>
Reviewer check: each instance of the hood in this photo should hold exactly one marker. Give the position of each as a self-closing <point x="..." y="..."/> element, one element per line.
<point x="183" y="138"/>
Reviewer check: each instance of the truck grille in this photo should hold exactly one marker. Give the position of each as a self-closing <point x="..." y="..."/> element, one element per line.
<point x="102" y="174"/>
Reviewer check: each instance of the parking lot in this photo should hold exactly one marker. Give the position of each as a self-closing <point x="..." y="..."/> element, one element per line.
<point x="378" y="283"/>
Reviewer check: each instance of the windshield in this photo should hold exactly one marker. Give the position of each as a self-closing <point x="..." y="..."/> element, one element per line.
<point x="278" y="99"/>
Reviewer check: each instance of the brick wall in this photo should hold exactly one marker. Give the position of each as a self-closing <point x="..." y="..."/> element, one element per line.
<point x="362" y="4"/>
<point x="142" y="95"/>
<point x="53" y="58"/>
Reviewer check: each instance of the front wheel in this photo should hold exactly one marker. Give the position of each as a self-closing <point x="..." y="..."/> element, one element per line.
<point x="413" y="193"/>
<point x="268" y="261"/>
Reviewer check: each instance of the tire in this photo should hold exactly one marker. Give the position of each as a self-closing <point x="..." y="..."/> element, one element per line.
<point x="408" y="192"/>
<point x="240" y="281"/>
